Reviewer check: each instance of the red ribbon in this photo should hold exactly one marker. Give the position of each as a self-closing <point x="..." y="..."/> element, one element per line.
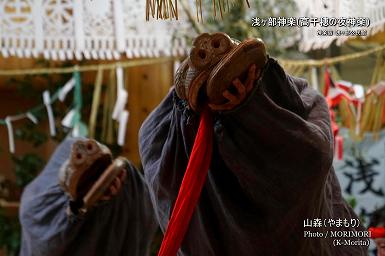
<point x="191" y="187"/>
<point x="333" y="101"/>
<point x="328" y="82"/>
<point x="377" y="232"/>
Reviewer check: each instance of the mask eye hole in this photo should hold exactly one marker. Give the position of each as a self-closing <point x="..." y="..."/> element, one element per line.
<point x="79" y="156"/>
<point x="202" y="54"/>
<point x="216" y="43"/>
<point x="89" y="146"/>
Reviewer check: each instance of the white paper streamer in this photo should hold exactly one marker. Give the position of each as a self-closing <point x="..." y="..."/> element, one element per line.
<point x="11" y="139"/>
<point x="76" y="131"/>
<point x="47" y="103"/>
<point x="123" y="119"/>
<point x="31" y="117"/>
<point x="122" y="95"/>
<point x="67" y="120"/>
<point x="359" y="91"/>
<point x="66" y="89"/>
<point x="314" y="78"/>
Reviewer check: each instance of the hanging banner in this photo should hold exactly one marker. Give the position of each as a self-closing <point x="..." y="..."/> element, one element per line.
<point x="361" y="173"/>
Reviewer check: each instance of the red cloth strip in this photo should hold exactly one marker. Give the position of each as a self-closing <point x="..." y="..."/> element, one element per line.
<point x="328" y="82"/>
<point x="377" y="232"/>
<point x="191" y="187"/>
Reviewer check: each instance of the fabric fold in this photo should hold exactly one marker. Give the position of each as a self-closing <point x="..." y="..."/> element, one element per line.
<point x="125" y="225"/>
<point x="271" y="170"/>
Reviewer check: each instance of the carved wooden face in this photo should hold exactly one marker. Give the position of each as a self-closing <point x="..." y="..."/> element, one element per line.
<point x="88" y="160"/>
<point x="214" y="62"/>
<point x="206" y="52"/>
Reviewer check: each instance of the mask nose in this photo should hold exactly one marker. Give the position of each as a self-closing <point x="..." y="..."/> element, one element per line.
<point x="82" y="149"/>
<point x="78" y="153"/>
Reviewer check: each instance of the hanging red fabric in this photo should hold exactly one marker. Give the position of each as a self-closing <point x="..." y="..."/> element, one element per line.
<point x="327" y="82"/>
<point x="333" y="101"/>
<point x="191" y="187"/>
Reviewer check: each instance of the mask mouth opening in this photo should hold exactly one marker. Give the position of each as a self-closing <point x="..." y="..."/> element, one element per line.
<point x="235" y="64"/>
<point x="202" y="98"/>
<point x="91" y="175"/>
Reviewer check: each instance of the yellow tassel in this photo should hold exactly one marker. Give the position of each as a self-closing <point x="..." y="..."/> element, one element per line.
<point x="168" y="9"/>
<point x="378" y="118"/>
<point x="162" y="9"/>
<point x="366" y="112"/>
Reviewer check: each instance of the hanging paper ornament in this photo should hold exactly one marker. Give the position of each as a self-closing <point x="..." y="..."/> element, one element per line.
<point x="51" y="120"/>
<point x="122" y="95"/>
<point x="122" y="127"/>
<point x="80" y="130"/>
<point x="11" y="139"/>
<point x="314" y="78"/>
<point x="66" y="89"/>
<point x="68" y="119"/>
<point x="31" y="117"/>
<point x="119" y="113"/>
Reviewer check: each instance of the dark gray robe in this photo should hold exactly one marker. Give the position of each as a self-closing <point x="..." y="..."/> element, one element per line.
<point x="271" y="171"/>
<point x="124" y="225"/>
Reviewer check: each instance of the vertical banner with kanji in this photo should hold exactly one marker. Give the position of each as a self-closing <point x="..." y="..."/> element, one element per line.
<point x="361" y="173"/>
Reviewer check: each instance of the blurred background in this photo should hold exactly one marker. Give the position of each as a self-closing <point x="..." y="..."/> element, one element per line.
<point x="97" y="68"/>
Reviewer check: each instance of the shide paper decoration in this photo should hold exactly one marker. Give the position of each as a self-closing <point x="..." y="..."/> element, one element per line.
<point x="295" y="67"/>
<point x="361" y="172"/>
<point x="73" y="118"/>
<point x="77" y="29"/>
